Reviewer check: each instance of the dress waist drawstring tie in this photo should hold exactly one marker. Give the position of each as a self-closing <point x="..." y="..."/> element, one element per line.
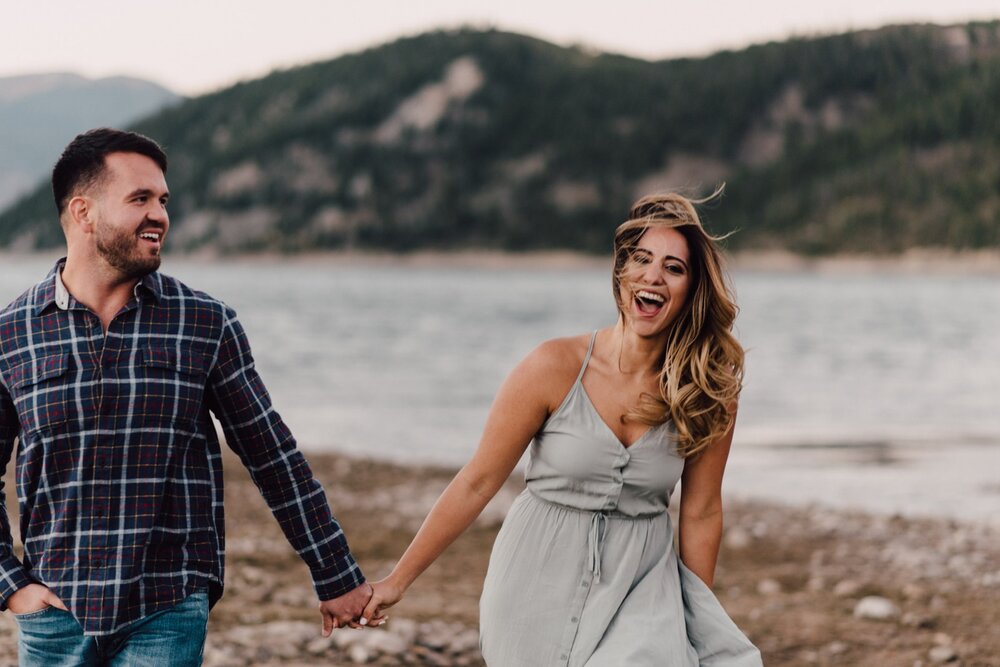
<point x="595" y="542"/>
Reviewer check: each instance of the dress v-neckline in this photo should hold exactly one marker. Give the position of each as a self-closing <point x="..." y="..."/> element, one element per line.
<point x="607" y="427"/>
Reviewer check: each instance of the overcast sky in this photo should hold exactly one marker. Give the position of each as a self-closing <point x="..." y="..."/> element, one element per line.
<point x="194" y="46"/>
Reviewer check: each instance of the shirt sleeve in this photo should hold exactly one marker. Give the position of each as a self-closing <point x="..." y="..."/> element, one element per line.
<point x="255" y="431"/>
<point x="13" y="576"/>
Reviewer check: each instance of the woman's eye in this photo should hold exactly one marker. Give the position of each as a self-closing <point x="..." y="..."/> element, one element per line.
<point x="676" y="269"/>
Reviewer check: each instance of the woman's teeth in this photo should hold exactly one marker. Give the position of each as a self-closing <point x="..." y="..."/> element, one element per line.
<point x="650" y="297"/>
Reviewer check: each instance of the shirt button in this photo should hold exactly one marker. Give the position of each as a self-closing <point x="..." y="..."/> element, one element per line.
<point x="564" y="657"/>
<point x="583" y="584"/>
<point x="574" y="619"/>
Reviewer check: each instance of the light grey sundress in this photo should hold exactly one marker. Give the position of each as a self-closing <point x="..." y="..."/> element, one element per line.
<point x="584" y="571"/>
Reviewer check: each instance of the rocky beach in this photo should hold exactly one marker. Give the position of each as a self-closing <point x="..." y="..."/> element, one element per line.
<point x="809" y="585"/>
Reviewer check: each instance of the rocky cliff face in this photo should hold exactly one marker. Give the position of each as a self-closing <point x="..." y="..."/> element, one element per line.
<point x="870" y="141"/>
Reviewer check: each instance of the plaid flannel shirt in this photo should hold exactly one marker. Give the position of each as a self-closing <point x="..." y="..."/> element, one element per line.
<point x="119" y="469"/>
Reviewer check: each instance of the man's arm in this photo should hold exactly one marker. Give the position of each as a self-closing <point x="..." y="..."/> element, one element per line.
<point x="13" y="576"/>
<point x="255" y="431"/>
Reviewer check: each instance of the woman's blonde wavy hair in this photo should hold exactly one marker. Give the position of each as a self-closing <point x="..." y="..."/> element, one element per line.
<point x="702" y="371"/>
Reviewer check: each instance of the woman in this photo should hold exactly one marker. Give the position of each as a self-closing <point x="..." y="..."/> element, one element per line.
<point x="584" y="571"/>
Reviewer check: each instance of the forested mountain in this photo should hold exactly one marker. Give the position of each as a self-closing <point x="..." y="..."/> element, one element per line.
<point x="872" y="141"/>
<point x="40" y="113"/>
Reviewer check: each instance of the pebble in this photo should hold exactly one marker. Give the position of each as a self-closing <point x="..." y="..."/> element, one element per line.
<point x="359" y="654"/>
<point x="768" y="587"/>
<point x="876" y="608"/>
<point x="836" y="648"/>
<point x="942" y="639"/>
<point x="736" y="538"/>
<point x="942" y="654"/>
<point x="385" y="642"/>
<point x="919" y="621"/>
<point x="846" y="588"/>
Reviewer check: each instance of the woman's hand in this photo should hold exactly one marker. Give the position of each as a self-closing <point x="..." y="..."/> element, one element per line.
<point x="385" y="593"/>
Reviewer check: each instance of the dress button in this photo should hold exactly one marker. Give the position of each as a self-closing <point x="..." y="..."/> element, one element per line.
<point x="564" y="657"/>
<point x="583" y="584"/>
<point x="574" y="619"/>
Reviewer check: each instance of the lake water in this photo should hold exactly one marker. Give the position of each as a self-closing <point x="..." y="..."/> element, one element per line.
<point x="868" y="390"/>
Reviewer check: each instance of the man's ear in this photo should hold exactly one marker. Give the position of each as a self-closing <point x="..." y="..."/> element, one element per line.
<point x="80" y="214"/>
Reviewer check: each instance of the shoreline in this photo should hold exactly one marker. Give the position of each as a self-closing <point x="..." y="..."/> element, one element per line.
<point x="935" y="261"/>
<point x="798" y="580"/>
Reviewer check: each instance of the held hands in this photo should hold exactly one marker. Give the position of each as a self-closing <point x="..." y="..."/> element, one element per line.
<point x="344" y="611"/>
<point x="385" y="593"/>
<point x="33" y="597"/>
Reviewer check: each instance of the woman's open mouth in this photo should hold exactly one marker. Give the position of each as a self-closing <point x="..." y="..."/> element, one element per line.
<point x="648" y="303"/>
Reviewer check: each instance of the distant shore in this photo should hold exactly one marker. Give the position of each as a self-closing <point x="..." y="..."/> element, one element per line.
<point x="810" y="585"/>
<point x="919" y="260"/>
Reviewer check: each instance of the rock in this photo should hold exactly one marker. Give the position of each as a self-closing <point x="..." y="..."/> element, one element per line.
<point x="919" y="621"/>
<point x="942" y="654"/>
<point x="914" y="591"/>
<point x="403" y="627"/>
<point x="836" y="648"/>
<point x="293" y="596"/>
<point x="250" y="618"/>
<point x="344" y="638"/>
<point x="876" y="608"/>
<point x="385" y="642"/>
<point x="736" y="538"/>
<point x="319" y="646"/>
<point x="437" y="634"/>
<point x="427" y="656"/>
<point x="463" y="642"/>
<point x="942" y="639"/>
<point x="847" y="588"/>
<point x="359" y="654"/>
<point x="768" y="587"/>
<point x="816" y="584"/>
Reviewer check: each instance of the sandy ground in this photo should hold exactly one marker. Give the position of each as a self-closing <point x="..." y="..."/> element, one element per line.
<point x="792" y="578"/>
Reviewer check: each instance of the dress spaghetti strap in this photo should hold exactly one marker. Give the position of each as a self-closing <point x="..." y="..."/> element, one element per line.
<point x="586" y="359"/>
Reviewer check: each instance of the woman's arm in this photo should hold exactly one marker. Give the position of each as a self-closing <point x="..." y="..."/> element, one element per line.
<point x="521" y="406"/>
<point x="700" y="531"/>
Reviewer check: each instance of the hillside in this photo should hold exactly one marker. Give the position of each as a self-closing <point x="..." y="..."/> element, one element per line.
<point x="40" y="113"/>
<point x="873" y="141"/>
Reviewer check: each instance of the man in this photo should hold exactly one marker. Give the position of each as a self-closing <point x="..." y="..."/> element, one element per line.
<point x="108" y="371"/>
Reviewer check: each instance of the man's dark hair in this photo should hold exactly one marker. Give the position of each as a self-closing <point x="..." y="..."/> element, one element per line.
<point x="82" y="163"/>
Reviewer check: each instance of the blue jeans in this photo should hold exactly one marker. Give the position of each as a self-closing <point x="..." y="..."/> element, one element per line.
<point x="51" y="637"/>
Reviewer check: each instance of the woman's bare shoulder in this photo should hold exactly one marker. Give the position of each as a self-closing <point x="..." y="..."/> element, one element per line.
<point x="561" y="355"/>
<point x="551" y="368"/>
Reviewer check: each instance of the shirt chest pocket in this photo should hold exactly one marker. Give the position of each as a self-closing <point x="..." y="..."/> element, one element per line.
<point x="42" y="392"/>
<point x="173" y="386"/>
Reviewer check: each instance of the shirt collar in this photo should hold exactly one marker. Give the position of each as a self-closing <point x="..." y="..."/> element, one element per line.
<point x="62" y="294"/>
<point x="53" y="290"/>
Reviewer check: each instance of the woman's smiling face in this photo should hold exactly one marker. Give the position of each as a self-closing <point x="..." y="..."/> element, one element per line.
<point x="655" y="281"/>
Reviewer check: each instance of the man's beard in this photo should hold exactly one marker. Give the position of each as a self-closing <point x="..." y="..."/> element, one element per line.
<point x="122" y="252"/>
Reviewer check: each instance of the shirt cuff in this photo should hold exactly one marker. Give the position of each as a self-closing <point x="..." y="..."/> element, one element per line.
<point x="13" y="577"/>
<point x="335" y="580"/>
